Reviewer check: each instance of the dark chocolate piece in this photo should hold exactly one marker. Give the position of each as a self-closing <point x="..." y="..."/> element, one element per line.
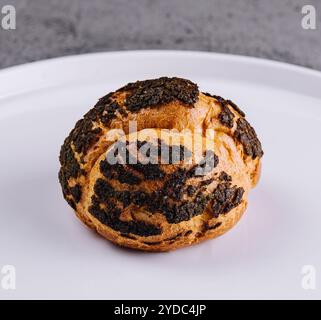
<point x="155" y="92"/>
<point x="246" y="135"/>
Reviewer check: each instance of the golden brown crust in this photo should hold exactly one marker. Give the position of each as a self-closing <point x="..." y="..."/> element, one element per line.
<point x="161" y="207"/>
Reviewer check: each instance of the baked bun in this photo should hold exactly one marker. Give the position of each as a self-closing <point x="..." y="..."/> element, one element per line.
<point x="193" y="186"/>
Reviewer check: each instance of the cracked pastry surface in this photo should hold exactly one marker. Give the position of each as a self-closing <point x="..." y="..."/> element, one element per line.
<point x="156" y="206"/>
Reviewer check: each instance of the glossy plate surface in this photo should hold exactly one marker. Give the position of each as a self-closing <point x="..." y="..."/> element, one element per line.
<point x="56" y="256"/>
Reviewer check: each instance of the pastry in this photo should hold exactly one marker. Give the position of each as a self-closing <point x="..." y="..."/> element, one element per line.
<point x="189" y="194"/>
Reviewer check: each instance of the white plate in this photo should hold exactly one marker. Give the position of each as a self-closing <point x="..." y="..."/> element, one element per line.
<point x="56" y="256"/>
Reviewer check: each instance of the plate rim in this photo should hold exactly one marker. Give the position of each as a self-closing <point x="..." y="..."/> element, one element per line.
<point x="7" y="75"/>
<point x="219" y="55"/>
<point x="84" y="69"/>
<point x="93" y="55"/>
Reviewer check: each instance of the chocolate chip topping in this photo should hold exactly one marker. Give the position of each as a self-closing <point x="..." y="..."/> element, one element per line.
<point x="246" y="135"/>
<point x="76" y="192"/>
<point x="213" y="227"/>
<point x="119" y="172"/>
<point x="225" y="198"/>
<point x="179" y="198"/>
<point x="110" y="216"/>
<point x="235" y="107"/>
<point x="176" y="200"/>
<point x="226" y="117"/>
<point x="167" y="200"/>
<point x="224" y="177"/>
<point x="150" y="171"/>
<point x="84" y="135"/>
<point x="70" y="168"/>
<point x="150" y="93"/>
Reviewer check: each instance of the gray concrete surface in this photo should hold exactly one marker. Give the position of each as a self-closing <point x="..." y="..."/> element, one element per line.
<point x="262" y="28"/>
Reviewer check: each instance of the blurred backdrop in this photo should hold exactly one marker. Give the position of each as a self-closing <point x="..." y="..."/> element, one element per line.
<point x="268" y="29"/>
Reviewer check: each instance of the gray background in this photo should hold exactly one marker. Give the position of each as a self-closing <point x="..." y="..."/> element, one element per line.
<point x="262" y="28"/>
